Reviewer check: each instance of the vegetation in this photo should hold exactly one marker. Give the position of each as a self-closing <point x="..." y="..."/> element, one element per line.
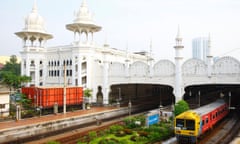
<point x="87" y="93"/>
<point x="10" y="74"/>
<point x="128" y="133"/>
<point x="180" y="106"/>
<point x="134" y="122"/>
<point x="27" y="109"/>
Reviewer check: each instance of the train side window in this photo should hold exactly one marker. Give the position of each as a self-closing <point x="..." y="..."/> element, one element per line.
<point x="213" y="116"/>
<point x="202" y="122"/>
<point x="206" y="120"/>
<point x="216" y="114"/>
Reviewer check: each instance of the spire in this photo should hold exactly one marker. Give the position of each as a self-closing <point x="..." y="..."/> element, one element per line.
<point x="209" y="41"/>
<point x="178" y="37"/>
<point x="34" y="9"/>
<point x="150" y="46"/>
<point x="209" y="51"/>
<point x="84" y="3"/>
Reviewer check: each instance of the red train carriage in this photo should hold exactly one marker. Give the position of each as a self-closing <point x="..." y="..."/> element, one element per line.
<point x="191" y="124"/>
<point x="211" y="114"/>
<point x="46" y="97"/>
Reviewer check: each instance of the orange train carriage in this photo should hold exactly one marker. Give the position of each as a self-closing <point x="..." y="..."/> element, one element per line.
<point x="47" y="97"/>
<point x="191" y="124"/>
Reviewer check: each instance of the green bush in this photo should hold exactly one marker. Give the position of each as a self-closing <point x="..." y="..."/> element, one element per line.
<point x="120" y="133"/>
<point x="108" y="141"/>
<point x="92" y="134"/>
<point x="143" y="133"/>
<point x="154" y="136"/>
<point x="128" y="131"/>
<point x="115" y="128"/>
<point x="130" y="122"/>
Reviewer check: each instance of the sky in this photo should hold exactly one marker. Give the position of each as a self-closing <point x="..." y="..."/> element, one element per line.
<point x="132" y="24"/>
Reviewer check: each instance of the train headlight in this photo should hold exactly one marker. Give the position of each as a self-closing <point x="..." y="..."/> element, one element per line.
<point x="177" y="128"/>
<point x="178" y="132"/>
<point x="191" y="133"/>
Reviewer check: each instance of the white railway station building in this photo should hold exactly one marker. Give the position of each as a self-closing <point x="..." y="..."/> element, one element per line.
<point x="98" y="67"/>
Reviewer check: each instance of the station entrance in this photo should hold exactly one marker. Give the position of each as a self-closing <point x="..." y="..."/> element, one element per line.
<point x="199" y="95"/>
<point x="153" y="94"/>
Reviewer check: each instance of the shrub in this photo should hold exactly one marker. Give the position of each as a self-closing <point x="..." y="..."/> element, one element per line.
<point x="115" y="128"/>
<point x="143" y="133"/>
<point x="130" y="122"/>
<point x="128" y="131"/>
<point x="154" y="136"/>
<point x="92" y="134"/>
<point x="108" y="141"/>
<point x="134" y="138"/>
<point x="120" y="133"/>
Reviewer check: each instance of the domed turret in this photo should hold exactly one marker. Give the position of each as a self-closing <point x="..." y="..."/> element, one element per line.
<point x="83" y="15"/>
<point x="34" y="30"/>
<point x="83" y="24"/>
<point x="34" y="22"/>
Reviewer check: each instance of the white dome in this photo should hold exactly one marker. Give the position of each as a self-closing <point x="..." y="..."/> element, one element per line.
<point x="83" y="15"/>
<point x="34" y="22"/>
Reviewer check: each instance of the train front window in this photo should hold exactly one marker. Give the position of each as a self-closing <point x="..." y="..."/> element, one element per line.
<point x="180" y="123"/>
<point x="190" y="124"/>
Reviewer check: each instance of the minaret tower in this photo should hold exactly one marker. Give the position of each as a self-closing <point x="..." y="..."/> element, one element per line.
<point x="209" y="57"/>
<point x="34" y="37"/>
<point x="83" y="26"/>
<point x="178" y="63"/>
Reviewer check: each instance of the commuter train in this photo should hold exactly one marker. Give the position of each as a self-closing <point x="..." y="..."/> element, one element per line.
<point x="191" y="124"/>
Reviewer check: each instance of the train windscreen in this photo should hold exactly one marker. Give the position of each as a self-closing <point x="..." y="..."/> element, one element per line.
<point x="180" y="123"/>
<point x="190" y="124"/>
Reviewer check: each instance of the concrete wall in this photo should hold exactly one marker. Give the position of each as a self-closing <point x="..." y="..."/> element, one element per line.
<point x="4" y="104"/>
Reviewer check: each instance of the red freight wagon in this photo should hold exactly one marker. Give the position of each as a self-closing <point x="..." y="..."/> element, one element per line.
<point x="48" y="96"/>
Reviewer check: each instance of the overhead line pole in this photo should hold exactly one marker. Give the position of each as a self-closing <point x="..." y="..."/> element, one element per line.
<point x="64" y="90"/>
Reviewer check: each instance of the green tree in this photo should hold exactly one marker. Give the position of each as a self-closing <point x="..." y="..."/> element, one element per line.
<point x="12" y="66"/>
<point x="87" y="92"/>
<point x="180" y="106"/>
<point x="10" y="74"/>
<point x="13" y="81"/>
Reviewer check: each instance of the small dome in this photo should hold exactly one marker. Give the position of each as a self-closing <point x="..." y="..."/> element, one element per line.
<point x="34" y="22"/>
<point x="83" y="15"/>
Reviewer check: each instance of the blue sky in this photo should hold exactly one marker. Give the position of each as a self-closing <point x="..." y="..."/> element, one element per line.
<point x="132" y="24"/>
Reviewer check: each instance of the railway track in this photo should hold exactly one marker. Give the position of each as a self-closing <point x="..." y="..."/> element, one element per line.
<point x="73" y="134"/>
<point x="223" y="133"/>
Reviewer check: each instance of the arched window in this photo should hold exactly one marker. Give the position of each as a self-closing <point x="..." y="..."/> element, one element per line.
<point x="32" y="63"/>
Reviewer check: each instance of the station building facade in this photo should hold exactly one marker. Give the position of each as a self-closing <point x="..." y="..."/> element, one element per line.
<point x="86" y="64"/>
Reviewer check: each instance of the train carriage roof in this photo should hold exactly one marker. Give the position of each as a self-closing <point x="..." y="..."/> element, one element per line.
<point x="209" y="107"/>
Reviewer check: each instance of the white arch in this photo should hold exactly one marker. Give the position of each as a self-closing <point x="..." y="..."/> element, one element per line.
<point x="226" y="65"/>
<point x="139" y="69"/>
<point x="163" y="68"/>
<point x="117" y="69"/>
<point x="195" y="67"/>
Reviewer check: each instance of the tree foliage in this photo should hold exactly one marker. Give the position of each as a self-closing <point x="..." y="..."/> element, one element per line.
<point x="180" y="106"/>
<point x="10" y="74"/>
<point x="87" y="92"/>
<point x="12" y="66"/>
